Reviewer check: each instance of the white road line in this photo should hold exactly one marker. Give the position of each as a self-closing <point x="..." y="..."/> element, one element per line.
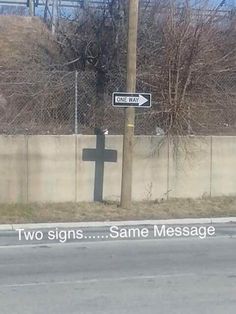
<point x="95" y="280"/>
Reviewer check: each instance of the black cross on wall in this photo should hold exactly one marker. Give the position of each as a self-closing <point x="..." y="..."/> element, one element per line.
<point x="100" y="155"/>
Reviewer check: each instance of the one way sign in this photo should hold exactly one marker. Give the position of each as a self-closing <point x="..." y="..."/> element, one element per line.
<point x="138" y="100"/>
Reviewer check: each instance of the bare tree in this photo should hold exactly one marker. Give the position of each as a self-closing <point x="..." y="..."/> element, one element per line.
<point x="92" y="41"/>
<point x="186" y="56"/>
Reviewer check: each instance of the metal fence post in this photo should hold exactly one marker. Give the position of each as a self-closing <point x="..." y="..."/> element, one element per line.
<point x="76" y="102"/>
<point x="31" y="7"/>
<point x="54" y="16"/>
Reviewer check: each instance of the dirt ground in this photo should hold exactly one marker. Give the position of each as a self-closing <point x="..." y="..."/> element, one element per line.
<point x="75" y="212"/>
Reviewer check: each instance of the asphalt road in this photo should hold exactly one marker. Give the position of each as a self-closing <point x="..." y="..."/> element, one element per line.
<point x="172" y="275"/>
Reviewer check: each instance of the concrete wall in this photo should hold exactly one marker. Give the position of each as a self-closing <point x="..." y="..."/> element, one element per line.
<point x="52" y="169"/>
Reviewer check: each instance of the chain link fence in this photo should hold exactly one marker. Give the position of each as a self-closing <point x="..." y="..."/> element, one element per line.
<point x="57" y="102"/>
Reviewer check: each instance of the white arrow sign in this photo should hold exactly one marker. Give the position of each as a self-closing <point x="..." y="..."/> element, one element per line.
<point x="136" y="100"/>
<point x="140" y="100"/>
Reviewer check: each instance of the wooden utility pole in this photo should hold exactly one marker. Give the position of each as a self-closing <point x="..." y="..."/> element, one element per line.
<point x="126" y="184"/>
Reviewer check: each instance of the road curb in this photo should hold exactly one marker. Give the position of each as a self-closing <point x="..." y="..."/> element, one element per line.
<point x="5" y="227"/>
<point x="185" y="221"/>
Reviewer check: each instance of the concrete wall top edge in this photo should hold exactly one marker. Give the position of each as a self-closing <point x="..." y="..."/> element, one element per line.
<point x="109" y="135"/>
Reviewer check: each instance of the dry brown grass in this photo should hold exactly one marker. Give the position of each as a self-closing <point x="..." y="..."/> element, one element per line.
<point x="25" y="41"/>
<point x="74" y="212"/>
